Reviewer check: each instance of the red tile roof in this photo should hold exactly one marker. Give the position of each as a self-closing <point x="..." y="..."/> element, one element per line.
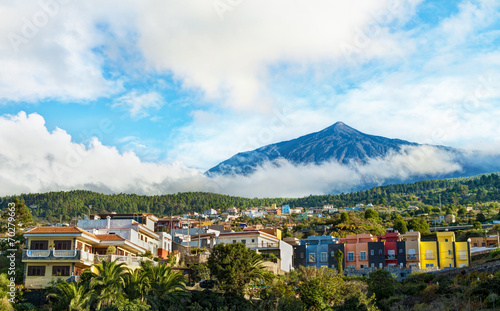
<point x="58" y="230"/>
<point x="109" y="237"/>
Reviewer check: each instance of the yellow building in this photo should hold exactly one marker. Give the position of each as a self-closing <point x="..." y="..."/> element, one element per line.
<point x="64" y="252"/>
<point x="428" y="254"/>
<point x="445" y="252"/>
<point x="446" y="245"/>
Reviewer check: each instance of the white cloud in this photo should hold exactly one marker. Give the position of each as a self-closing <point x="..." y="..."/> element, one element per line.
<point x="46" y="51"/>
<point x="36" y="160"/>
<point x="139" y="104"/>
<point x="231" y="55"/>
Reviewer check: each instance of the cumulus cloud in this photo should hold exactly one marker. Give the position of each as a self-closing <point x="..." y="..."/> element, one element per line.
<point x="36" y="160"/>
<point x="225" y="48"/>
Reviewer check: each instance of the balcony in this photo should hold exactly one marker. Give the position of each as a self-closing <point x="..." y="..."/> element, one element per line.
<point x="412" y="257"/>
<point x="128" y="260"/>
<point x="85" y="257"/>
<point x="52" y="254"/>
<point x="390" y="257"/>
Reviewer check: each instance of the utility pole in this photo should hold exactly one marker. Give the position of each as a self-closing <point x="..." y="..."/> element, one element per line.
<point x="440" y="203"/>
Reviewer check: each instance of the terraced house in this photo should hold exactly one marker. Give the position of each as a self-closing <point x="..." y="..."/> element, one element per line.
<point x="364" y="251"/>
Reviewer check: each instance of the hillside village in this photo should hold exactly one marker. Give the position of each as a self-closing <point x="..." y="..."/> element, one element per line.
<point x="133" y="238"/>
<point x="359" y="241"/>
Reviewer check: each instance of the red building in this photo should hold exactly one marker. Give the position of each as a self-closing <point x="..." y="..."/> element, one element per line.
<point x="394" y="248"/>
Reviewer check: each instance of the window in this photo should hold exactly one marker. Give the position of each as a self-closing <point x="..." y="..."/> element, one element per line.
<point x="428" y="254"/>
<point x="400" y="250"/>
<point x="391" y="254"/>
<point x="372" y="252"/>
<point x="462" y="255"/>
<point x="253" y="240"/>
<point x="244" y="241"/>
<point x="380" y="252"/>
<point x="324" y="256"/>
<point x="36" y="271"/>
<point x="39" y="245"/>
<point x="446" y="240"/>
<point x="62" y="245"/>
<point x="312" y="257"/>
<point x="411" y="254"/>
<point x="449" y="252"/>
<point x="301" y="255"/>
<point x="234" y="241"/>
<point x="362" y="255"/>
<point x="351" y="266"/>
<point x="332" y="254"/>
<point x="429" y="265"/>
<point x="373" y="265"/>
<point x="350" y="256"/>
<point x="60" y="270"/>
<point x="380" y="265"/>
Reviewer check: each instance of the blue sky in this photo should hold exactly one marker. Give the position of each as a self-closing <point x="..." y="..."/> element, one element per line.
<point x="178" y="86"/>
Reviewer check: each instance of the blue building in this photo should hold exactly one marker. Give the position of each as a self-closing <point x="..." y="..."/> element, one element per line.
<point x="285" y="209"/>
<point x="313" y="251"/>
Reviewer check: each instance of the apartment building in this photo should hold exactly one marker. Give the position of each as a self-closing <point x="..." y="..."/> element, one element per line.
<point x="412" y="248"/>
<point x="394" y="248"/>
<point x="313" y="251"/>
<point x="261" y="242"/>
<point x="356" y="250"/>
<point x="55" y="253"/>
<point x="136" y="228"/>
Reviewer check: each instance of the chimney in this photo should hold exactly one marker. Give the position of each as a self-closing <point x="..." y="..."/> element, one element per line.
<point x="108" y="225"/>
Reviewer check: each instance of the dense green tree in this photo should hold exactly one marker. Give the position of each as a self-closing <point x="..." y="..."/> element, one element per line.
<point x="400" y="225"/>
<point x="419" y="225"/>
<point x="344" y="217"/>
<point x="382" y="284"/>
<point x="199" y="271"/>
<point x="480" y="217"/>
<point x="234" y="266"/>
<point x="370" y="213"/>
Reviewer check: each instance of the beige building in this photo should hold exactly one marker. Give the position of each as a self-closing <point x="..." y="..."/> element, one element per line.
<point x="62" y="253"/>
<point x="412" y="245"/>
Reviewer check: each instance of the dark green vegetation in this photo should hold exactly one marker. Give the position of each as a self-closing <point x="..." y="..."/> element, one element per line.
<point x="454" y="192"/>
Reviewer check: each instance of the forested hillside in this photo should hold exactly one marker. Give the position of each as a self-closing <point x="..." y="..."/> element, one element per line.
<point x="464" y="191"/>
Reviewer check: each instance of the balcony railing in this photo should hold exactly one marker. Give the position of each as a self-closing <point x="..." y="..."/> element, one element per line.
<point x="128" y="260"/>
<point x="59" y="255"/>
<point x="412" y="257"/>
<point x="64" y="253"/>
<point x="86" y="257"/>
<point x="390" y="257"/>
<point x="37" y="253"/>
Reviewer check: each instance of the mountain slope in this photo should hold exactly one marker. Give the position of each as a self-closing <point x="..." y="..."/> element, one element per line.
<point x="339" y="142"/>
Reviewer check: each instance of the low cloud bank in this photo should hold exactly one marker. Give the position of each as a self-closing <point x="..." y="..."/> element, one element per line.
<point x="32" y="159"/>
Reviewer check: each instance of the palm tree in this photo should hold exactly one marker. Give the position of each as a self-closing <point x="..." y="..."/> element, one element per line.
<point x="256" y="269"/>
<point x="136" y="285"/>
<point x="108" y="282"/>
<point x="164" y="286"/>
<point x="71" y="297"/>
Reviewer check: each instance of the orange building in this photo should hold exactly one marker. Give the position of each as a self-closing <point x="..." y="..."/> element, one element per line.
<point x="356" y="250"/>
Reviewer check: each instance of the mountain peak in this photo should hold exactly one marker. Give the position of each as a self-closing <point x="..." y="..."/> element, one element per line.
<point x="338" y="142"/>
